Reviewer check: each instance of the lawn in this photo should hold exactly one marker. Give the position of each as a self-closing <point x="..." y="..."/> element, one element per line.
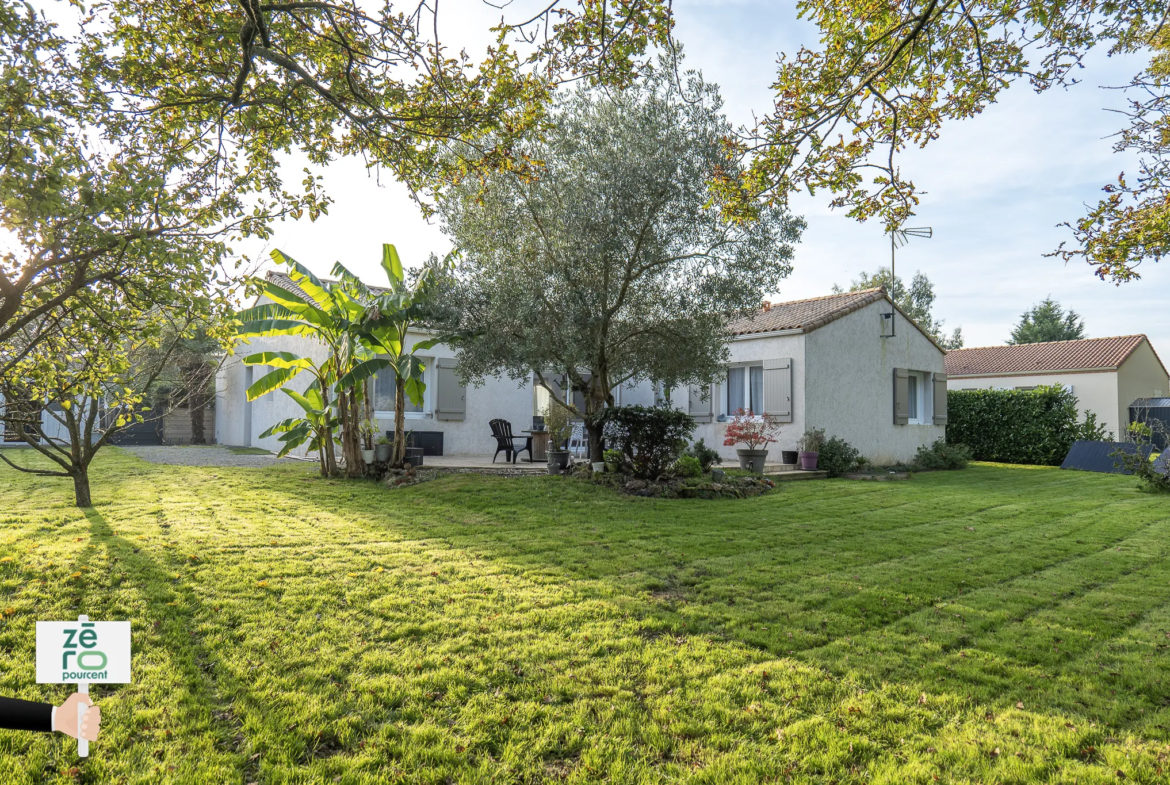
<point x="997" y="625"/>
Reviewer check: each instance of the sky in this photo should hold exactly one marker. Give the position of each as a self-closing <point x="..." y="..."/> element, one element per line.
<point x="997" y="187"/>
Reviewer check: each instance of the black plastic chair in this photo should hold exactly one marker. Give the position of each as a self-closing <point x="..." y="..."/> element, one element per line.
<point x="506" y="442"/>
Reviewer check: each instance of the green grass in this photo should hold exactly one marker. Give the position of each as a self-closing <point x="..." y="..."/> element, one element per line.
<point x="997" y="625"/>
<point x="249" y="451"/>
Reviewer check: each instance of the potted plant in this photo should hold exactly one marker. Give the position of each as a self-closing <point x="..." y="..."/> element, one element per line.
<point x="368" y="428"/>
<point x="556" y="422"/>
<point x="613" y="460"/>
<point x="755" y="432"/>
<point x="382" y="449"/>
<point x="810" y="448"/>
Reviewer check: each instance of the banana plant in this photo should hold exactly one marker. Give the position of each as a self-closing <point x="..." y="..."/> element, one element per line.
<point x="316" y="427"/>
<point x="328" y="314"/>
<point x="383" y="330"/>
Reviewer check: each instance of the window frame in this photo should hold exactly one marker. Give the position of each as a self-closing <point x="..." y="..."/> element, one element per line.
<point x="723" y="389"/>
<point x="427" y="410"/>
<point x="921" y="401"/>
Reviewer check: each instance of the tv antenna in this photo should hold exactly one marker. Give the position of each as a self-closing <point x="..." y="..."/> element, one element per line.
<point x="899" y="238"/>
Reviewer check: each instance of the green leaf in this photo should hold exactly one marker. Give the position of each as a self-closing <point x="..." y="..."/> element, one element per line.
<point x="278" y="360"/>
<point x="303" y="277"/>
<point x="362" y="371"/>
<point x="263" y="312"/>
<point x="270" y="381"/>
<point x="297" y="305"/>
<point x="391" y="263"/>
<point x="274" y="327"/>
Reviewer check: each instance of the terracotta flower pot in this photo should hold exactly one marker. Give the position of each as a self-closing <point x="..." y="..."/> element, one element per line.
<point x="752" y="460"/>
<point x="808" y="461"/>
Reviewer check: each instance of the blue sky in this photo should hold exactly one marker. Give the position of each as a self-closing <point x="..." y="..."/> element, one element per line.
<point x="997" y="186"/>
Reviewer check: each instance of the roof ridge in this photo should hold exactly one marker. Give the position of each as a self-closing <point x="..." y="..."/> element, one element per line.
<point x="1050" y="343"/>
<point x="828" y="296"/>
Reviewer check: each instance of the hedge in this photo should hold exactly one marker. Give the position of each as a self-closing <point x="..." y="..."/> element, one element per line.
<point x="1014" y="426"/>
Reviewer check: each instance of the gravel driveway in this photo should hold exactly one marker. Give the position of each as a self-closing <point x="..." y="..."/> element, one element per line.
<point x="209" y="456"/>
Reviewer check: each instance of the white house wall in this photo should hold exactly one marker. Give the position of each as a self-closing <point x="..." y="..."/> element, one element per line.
<point x="849" y="387"/>
<point x="496" y="397"/>
<point x="1140" y="376"/>
<point x="754" y="349"/>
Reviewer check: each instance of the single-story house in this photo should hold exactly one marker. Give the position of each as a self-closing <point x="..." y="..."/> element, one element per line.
<point x="850" y="363"/>
<point x="1105" y="374"/>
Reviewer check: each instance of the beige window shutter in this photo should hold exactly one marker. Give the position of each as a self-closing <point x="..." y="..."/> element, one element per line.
<point x="698" y="408"/>
<point x="450" y="395"/>
<point x="901" y="396"/>
<point x="940" y="399"/>
<point x="778" y="388"/>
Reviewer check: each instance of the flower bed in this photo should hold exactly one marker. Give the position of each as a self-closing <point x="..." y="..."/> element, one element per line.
<point x="732" y="486"/>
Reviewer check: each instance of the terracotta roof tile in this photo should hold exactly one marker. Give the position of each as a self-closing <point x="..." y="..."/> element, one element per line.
<point x="805" y="315"/>
<point x="1092" y="353"/>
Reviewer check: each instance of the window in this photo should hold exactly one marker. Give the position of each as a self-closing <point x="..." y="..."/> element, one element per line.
<point x="384" y="394"/>
<point x="745" y="388"/>
<point x="913" y="398"/>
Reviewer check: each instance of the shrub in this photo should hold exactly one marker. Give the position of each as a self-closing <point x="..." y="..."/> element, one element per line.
<point x="650" y="439"/>
<point x="1014" y="426"/>
<point x="1091" y="431"/>
<point x="688" y="466"/>
<point x="838" y="456"/>
<point x="941" y="455"/>
<point x="812" y="441"/>
<point x="706" y="456"/>
<point x="1137" y="464"/>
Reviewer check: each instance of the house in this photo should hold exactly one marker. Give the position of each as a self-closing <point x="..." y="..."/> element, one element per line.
<point x="851" y="363"/>
<point x="1105" y="374"/>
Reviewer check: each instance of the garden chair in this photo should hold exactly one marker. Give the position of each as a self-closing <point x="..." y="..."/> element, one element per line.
<point x="506" y="442"/>
<point x="577" y="439"/>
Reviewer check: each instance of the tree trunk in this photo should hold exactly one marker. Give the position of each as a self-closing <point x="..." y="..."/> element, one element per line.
<point x="595" y="428"/>
<point x="329" y="460"/>
<point x="197" y="435"/>
<point x="350" y="435"/>
<point x="368" y="412"/>
<point x="399" y="457"/>
<point x="81" y="495"/>
<point x="194" y="380"/>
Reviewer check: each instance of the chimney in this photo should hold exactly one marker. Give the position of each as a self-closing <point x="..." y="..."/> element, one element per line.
<point x="766" y="305"/>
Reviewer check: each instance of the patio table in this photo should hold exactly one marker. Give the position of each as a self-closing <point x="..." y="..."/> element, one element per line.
<point x="539" y="445"/>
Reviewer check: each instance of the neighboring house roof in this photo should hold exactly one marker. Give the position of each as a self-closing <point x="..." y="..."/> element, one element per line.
<point x="1092" y="354"/>
<point x="808" y="315"/>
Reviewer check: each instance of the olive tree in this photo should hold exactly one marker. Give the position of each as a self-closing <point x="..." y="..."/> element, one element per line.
<point x="613" y="264"/>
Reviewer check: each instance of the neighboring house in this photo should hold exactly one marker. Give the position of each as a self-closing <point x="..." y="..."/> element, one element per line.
<point x="1105" y="374"/>
<point x="812" y="363"/>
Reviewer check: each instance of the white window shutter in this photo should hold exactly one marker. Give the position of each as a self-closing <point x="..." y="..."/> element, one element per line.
<point x="778" y="389"/>
<point x="901" y="396"/>
<point x="450" y="395"/>
<point x="940" y="399"/>
<point x="698" y="408"/>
